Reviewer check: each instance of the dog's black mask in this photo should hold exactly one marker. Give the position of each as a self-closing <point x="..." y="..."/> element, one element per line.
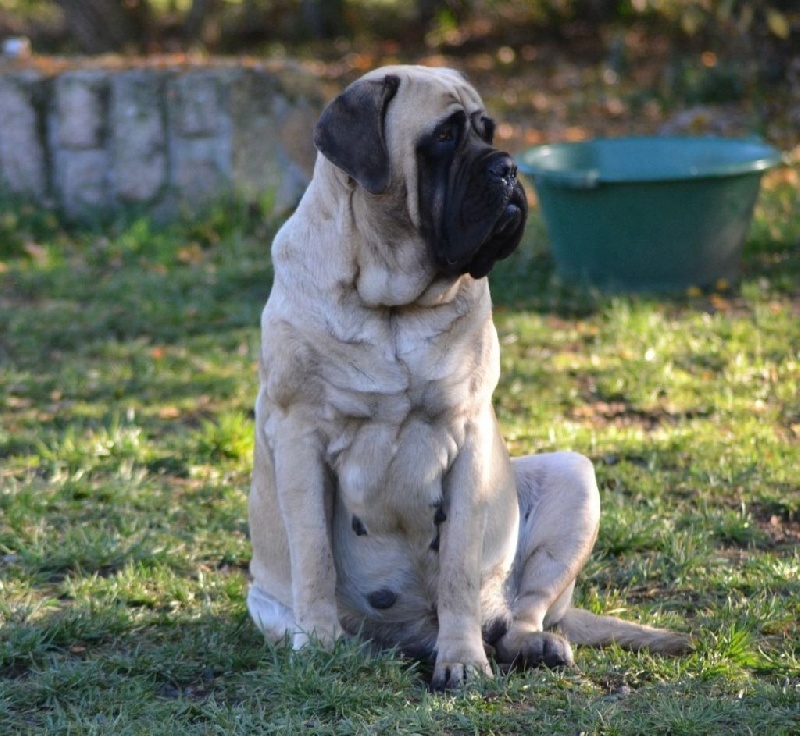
<point x="473" y="206"/>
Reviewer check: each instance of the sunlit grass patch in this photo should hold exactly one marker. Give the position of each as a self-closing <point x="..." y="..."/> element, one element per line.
<point x="127" y="380"/>
<point x="230" y="437"/>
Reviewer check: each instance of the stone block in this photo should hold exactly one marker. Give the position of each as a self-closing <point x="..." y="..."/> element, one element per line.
<point x="196" y="174"/>
<point x="138" y="137"/>
<point x="83" y="182"/>
<point x="159" y="134"/>
<point x="194" y="99"/>
<point x="22" y="149"/>
<point x="81" y="108"/>
<point x="256" y="165"/>
<point x="296" y="134"/>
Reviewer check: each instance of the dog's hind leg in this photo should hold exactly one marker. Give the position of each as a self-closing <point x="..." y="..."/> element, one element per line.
<point x="559" y="518"/>
<point x="583" y="627"/>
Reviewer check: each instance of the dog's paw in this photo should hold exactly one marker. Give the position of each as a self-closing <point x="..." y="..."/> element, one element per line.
<point x="526" y="649"/>
<point x="453" y="675"/>
<point x="674" y="644"/>
<point x="458" y="664"/>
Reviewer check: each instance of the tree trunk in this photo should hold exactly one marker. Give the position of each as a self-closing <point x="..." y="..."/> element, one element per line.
<point x="198" y="18"/>
<point x="323" y="18"/>
<point x="100" y="26"/>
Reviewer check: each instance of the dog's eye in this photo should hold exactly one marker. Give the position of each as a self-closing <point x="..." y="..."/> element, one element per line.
<point x="445" y="134"/>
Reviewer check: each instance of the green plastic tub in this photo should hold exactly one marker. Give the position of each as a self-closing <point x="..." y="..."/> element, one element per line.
<point x="648" y="214"/>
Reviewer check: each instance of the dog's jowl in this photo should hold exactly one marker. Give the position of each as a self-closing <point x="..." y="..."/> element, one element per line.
<point x="383" y="499"/>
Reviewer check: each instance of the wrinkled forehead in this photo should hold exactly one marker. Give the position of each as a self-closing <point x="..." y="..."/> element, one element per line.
<point x="427" y="95"/>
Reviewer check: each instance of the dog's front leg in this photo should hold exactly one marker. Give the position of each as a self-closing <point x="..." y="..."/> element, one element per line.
<point x="459" y="645"/>
<point x="306" y="502"/>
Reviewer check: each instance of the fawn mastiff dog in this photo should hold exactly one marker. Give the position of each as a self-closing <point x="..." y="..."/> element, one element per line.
<point x="383" y="500"/>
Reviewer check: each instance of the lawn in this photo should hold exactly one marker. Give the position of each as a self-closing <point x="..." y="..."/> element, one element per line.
<point x="127" y="377"/>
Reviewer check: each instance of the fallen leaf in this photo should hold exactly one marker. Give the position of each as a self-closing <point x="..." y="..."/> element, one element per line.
<point x="778" y="24"/>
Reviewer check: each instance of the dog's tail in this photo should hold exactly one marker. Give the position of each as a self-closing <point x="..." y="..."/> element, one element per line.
<point x="582" y="627"/>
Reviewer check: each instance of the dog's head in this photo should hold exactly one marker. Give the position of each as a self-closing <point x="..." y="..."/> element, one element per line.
<point x="422" y="134"/>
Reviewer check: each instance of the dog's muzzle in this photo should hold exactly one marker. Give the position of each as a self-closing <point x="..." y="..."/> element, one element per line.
<point x="491" y="218"/>
<point x="504" y="171"/>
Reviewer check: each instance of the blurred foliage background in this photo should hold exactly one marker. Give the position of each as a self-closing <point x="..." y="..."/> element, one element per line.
<point x="766" y="30"/>
<point x="552" y="69"/>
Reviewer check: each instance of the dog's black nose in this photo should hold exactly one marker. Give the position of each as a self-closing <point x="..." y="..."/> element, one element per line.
<point x="503" y="167"/>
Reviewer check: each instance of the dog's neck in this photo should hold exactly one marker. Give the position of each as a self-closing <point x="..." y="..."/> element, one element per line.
<point x="388" y="263"/>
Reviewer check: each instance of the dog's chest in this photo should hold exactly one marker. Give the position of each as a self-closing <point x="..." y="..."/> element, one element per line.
<point x="395" y="421"/>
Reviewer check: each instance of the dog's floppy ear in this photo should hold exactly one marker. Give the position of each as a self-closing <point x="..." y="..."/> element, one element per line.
<point x="350" y="132"/>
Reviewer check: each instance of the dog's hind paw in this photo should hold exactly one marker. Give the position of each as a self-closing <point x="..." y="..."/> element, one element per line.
<point x="534" y="649"/>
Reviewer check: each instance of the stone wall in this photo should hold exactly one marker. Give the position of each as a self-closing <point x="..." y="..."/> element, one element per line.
<point x="95" y="136"/>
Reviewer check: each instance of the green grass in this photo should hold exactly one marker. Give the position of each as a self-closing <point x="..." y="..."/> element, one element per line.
<point x="127" y="376"/>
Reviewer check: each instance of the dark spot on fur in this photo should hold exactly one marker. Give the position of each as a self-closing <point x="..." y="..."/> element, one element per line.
<point x="382" y="598"/>
<point x="419" y="652"/>
<point x="358" y="527"/>
<point x="440" y="516"/>
<point x="434" y="545"/>
<point x="495" y="629"/>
